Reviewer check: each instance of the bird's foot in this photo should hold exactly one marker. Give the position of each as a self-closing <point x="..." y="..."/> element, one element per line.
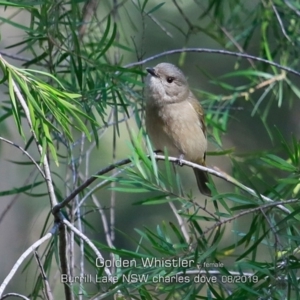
<point x="180" y="158"/>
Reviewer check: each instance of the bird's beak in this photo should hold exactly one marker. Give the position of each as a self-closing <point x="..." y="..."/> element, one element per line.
<point x="151" y="71"/>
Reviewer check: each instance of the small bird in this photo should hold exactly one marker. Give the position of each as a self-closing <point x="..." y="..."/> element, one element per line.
<point x="175" y="119"/>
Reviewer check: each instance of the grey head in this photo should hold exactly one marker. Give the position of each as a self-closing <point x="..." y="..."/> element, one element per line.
<point x="165" y="83"/>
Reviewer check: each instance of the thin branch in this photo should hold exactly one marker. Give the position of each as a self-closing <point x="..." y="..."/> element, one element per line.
<point x="21" y="259"/>
<point x="26" y="153"/>
<point x="268" y="82"/>
<point x="47" y="289"/>
<point x="22" y="58"/>
<point x="15" y="56"/>
<point x="104" y="222"/>
<point x="88" y="11"/>
<point x="112" y="208"/>
<point x="212" y="51"/>
<point x="214" y="172"/>
<point x="235" y="43"/>
<point x="64" y="261"/>
<point x="90" y="243"/>
<point x="280" y="23"/>
<point x="16" y="197"/>
<point x="292" y="7"/>
<point x="203" y="207"/>
<point x="180" y="222"/>
<point x="222" y="175"/>
<point x="93" y="189"/>
<point x="160" y="25"/>
<point x="14" y="295"/>
<point x="272" y="227"/>
<point x="88" y="182"/>
<point x="249" y="211"/>
<point x="183" y="15"/>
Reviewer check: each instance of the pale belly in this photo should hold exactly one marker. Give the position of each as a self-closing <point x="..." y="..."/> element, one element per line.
<point x="177" y="128"/>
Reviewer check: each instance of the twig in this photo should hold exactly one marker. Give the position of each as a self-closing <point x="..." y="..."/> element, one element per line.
<point x="235" y="43"/>
<point x="26" y="153"/>
<point x="277" y="240"/>
<point x="64" y="261"/>
<point x="104" y="222"/>
<point x="89" y="9"/>
<point x="280" y="23"/>
<point x="90" y="243"/>
<point x="93" y="189"/>
<point x="183" y="15"/>
<point x="180" y="222"/>
<point x="15" y="198"/>
<point x="203" y="207"/>
<point x="222" y="175"/>
<point x="160" y="25"/>
<point x="214" y="172"/>
<point x="276" y="237"/>
<point x="262" y="84"/>
<point x="14" y="295"/>
<point x="112" y="209"/>
<point x="24" y="256"/>
<point x="212" y="51"/>
<point x="292" y="7"/>
<point x="249" y="211"/>
<point x="88" y="182"/>
<point x="47" y="289"/>
<point x="15" y="56"/>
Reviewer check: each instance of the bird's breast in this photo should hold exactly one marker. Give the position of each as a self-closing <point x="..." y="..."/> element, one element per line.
<point x="177" y="127"/>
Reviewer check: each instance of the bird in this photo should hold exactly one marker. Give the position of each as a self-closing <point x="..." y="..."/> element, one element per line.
<point x="175" y="118"/>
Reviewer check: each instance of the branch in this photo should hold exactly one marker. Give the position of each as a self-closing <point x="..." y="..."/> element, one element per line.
<point x="88" y="182"/>
<point x="25" y="152"/>
<point x="15" y="198"/>
<point x="268" y="82"/>
<point x="64" y="261"/>
<point x="24" y="256"/>
<point x="47" y="290"/>
<point x="183" y="15"/>
<point x="292" y="7"/>
<point x="214" y="172"/>
<point x="14" y="295"/>
<point x="223" y="176"/>
<point x="90" y="243"/>
<point x="280" y="23"/>
<point x="104" y="222"/>
<point x="212" y="51"/>
<point x="93" y="189"/>
<point x="180" y="222"/>
<point x="249" y="211"/>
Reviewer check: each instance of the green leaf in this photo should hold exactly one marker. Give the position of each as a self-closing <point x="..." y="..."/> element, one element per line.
<point x="155" y="200"/>
<point x="155" y="8"/>
<point x="235" y="198"/>
<point x="8" y="3"/>
<point x="17" y="25"/>
<point x="15" y="108"/>
<point x="279" y="163"/>
<point x="21" y="189"/>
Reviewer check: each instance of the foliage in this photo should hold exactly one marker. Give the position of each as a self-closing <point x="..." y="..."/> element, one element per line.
<point x="80" y="86"/>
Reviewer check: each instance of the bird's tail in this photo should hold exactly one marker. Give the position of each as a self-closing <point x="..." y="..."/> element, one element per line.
<point x="202" y="179"/>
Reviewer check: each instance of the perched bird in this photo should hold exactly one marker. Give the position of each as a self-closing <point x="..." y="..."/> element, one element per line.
<point x="175" y="119"/>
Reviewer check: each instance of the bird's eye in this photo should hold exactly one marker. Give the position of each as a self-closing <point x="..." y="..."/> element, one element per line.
<point x="170" y="79"/>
